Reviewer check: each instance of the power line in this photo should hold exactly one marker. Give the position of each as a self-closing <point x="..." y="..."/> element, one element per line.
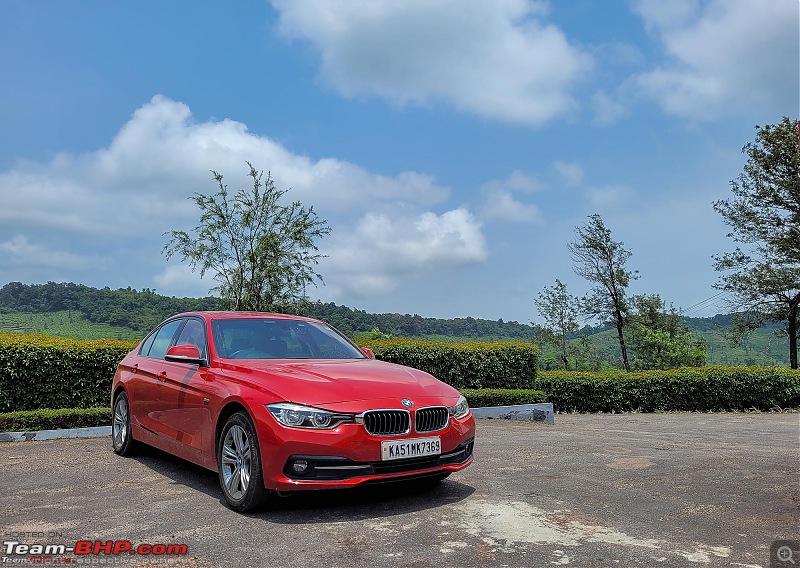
<point x="716" y="300"/>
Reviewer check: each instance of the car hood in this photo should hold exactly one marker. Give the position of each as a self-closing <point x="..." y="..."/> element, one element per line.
<point x="334" y="381"/>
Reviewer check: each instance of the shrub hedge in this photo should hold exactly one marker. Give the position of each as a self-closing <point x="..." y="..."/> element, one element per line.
<point x="50" y="419"/>
<point x="37" y="371"/>
<point x="478" y="398"/>
<point x="686" y="389"/>
<point x="469" y="365"/>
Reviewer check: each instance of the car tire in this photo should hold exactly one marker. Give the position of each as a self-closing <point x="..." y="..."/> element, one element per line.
<point x="239" y="465"/>
<point x="121" y="436"/>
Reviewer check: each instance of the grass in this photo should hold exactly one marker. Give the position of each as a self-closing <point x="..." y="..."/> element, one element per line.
<point x="64" y="324"/>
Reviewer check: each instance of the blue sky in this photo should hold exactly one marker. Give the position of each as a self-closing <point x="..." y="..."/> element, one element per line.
<point x="452" y="145"/>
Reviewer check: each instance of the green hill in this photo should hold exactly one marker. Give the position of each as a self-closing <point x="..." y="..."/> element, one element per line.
<point x="64" y="324"/>
<point x="83" y="312"/>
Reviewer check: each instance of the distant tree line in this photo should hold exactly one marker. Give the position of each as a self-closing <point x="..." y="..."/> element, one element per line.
<point x="141" y="310"/>
<point x="352" y="321"/>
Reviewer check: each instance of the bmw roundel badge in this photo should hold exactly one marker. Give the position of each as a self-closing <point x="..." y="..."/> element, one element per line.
<point x="407" y="403"/>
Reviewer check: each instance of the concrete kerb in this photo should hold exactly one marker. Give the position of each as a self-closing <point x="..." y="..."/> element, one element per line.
<point x="542" y="412"/>
<point x="93" y="432"/>
<point x="534" y="412"/>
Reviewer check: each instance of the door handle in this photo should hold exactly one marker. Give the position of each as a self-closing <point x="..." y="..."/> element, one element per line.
<point x="162" y="376"/>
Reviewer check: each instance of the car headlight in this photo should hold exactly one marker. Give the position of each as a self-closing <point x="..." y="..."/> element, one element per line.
<point x="298" y="416"/>
<point x="461" y="408"/>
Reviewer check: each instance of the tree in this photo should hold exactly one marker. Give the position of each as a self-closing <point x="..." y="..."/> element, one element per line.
<point x="261" y="253"/>
<point x="601" y="260"/>
<point x="560" y="311"/>
<point x="660" y="338"/>
<point x="763" y="277"/>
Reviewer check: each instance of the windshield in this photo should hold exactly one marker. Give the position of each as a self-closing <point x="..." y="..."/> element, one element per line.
<point x="267" y="338"/>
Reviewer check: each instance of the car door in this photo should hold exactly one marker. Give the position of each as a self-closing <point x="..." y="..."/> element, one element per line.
<point x="145" y="390"/>
<point x="186" y="392"/>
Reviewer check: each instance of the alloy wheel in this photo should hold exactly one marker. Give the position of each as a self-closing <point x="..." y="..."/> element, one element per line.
<point x="120" y="422"/>
<point x="236" y="462"/>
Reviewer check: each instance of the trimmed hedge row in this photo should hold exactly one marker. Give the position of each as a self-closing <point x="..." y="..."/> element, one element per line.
<point x="38" y="371"/>
<point x="687" y="389"/>
<point x="469" y="365"/>
<point x="50" y="419"/>
<point x="478" y="398"/>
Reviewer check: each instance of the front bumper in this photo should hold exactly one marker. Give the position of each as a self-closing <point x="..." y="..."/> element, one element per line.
<point x="348" y="456"/>
<point x="327" y="468"/>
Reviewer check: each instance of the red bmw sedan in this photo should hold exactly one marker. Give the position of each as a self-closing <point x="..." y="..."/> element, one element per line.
<point x="278" y="403"/>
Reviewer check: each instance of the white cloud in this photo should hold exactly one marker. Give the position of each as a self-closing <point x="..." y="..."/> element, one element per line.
<point x="516" y="181"/>
<point x="571" y="173"/>
<point x="383" y="249"/>
<point x="606" y="109"/>
<point x="722" y="56"/>
<point x="500" y="204"/>
<point x="498" y="60"/>
<point x="125" y="196"/>
<point x="161" y="157"/>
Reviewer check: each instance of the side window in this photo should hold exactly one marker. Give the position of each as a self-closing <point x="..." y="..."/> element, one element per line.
<point x="194" y="333"/>
<point x="148" y="343"/>
<point x="163" y="339"/>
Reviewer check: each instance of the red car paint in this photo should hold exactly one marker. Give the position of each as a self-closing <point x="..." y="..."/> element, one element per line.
<point x="180" y="405"/>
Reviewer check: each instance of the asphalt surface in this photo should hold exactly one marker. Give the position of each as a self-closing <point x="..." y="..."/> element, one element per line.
<point x="593" y="490"/>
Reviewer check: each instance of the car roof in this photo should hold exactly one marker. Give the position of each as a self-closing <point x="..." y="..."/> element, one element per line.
<point x="217" y="315"/>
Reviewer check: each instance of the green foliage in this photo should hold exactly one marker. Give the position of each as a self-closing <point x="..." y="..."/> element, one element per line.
<point x="141" y="311"/>
<point x="764" y="347"/>
<point x="478" y="398"/>
<point x="373" y="334"/>
<point x="687" y="389"/>
<point x="352" y="321"/>
<point x="261" y="253"/>
<point x="473" y="365"/>
<point x="54" y="419"/>
<point x="37" y="371"/>
<point x="763" y="278"/>
<point x="660" y="339"/>
<point x="601" y="260"/>
<point x="127" y="308"/>
<point x="64" y="324"/>
<point x="560" y="311"/>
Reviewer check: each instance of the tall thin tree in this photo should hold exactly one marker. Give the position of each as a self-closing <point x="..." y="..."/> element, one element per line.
<point x="560" y="311"/>
<point x="599" y="259"/>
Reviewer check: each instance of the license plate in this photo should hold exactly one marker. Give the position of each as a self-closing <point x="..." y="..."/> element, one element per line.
<point x="414" y="448"/>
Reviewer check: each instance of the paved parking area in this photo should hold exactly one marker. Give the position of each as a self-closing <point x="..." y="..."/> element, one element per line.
<point x="593" y="490"/>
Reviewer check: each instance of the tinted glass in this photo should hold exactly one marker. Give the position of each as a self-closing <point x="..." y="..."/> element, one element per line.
<point x="194" y="333"/>
<point x="266" y="338"/>
<point x="163" y="339"/>
<point x="148" y="343"/>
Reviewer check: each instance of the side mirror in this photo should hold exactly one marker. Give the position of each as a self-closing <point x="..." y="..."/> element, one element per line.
<point x="368" y="352"/>
<point x="186" y="354"/>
